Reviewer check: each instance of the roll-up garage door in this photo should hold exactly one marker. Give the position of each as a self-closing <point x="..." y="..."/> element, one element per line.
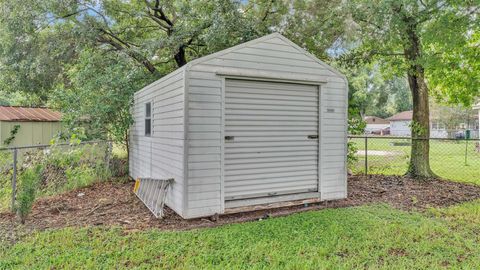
<point x="271" y="139"/>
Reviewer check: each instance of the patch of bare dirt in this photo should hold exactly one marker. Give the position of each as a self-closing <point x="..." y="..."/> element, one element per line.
<point x="114" y="204"/>
<point x="405" y="193"/>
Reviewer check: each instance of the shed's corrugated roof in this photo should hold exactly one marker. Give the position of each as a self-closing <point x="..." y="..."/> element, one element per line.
<point x="402" y="116"/>
<point x="14" y="113"/>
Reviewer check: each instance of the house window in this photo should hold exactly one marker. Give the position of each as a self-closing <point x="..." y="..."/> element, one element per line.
<point x="148" y="119"/>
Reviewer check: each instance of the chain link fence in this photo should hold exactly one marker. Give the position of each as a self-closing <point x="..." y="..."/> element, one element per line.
<point x="453" y="159"/>
<point x="60" y="167"/>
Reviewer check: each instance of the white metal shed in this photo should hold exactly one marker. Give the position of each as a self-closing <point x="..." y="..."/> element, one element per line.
<point x="259" y="123"/>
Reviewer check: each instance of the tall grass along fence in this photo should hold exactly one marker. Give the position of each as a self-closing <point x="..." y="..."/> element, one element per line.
<point x="453" y="159"/>
<point x="28" y="172"/>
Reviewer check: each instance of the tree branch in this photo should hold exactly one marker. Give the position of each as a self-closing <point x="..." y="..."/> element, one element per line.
<point x="268" y="12"/>
<point x="122" y="46"/>
<point x="372" y="24"/>
<point x="158" y="16"/>
<point x="108" y="33"/>
<point x="73" y="13"/>
<point x="162" y="16"/>
<point x="162" y="25"/>
<point x="423" y="4"/>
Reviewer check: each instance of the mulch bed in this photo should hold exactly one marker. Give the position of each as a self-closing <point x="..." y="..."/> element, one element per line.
<point x="114" y="204"/>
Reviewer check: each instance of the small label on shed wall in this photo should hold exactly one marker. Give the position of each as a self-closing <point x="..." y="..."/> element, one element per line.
<point x="330" y="110"/>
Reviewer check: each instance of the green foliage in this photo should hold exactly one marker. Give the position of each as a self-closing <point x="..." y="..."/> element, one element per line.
<point x="411" y="39"/>
<point x="19" y="99"/>
<point x="365" y="237"/>
<point x="352" y="158"/>
<point x="99" y="96"/>
<point x="59" y="169"/>
<point x="417" y="128"/>
<point x="315" y="25"/>
<point x="71" y="167"/>
<point x="79" y="176"/>
<point x="41" y="40"/>
<point x="88" y="58"/>
<point x="5" y="179"/>
<point x="63" y="167"/>
<point x="372" y="93"/>
<point x="29" y="181"/>
<point x="356" y="126"/>
<point x="454" y="63"/>
<point x="32" y="55"/>
<point x="13" y="133"/>
<point x="448" y="36"/>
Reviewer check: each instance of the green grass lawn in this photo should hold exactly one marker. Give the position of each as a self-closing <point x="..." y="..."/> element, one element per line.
<point x="373" y="237"/>
<point x="447" y="158"/>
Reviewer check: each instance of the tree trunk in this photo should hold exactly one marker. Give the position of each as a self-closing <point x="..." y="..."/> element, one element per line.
<point x="420" y="127"/>
<point x="180" y="57"/>
<point x="420" y="153"/>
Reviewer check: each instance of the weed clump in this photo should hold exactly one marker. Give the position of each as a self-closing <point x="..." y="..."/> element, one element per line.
<point x="29" y="182"/>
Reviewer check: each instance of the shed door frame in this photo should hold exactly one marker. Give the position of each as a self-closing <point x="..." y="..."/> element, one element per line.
<point x="318" y="84"/>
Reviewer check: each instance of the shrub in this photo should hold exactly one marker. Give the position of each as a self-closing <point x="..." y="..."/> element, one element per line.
<point x="355" y="127"/>
<point x="119" y="166"/>
<point x="351" y="154"/>
<point x="79" y="177"/>
<point x="73" y="166"/>
<point x="28" y="181"/>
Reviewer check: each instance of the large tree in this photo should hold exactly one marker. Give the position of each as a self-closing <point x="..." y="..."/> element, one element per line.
<point x="421" y="39"/>
<point x="41" y="39"/>
<point x="88" y="57"/>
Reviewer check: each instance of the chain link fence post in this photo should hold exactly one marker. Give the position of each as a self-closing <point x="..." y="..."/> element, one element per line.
<point x="14" y="178"/>
<point x="466" y="151"/>
<point x="366" y="155"/>
<point x="108" y="155"/>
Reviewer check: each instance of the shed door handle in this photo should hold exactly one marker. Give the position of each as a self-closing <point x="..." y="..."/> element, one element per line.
<point x="229" y="138"/>
<point x="312" y="136"/>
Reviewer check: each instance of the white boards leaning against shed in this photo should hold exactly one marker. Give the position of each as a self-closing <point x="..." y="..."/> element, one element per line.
<point x="260" y="123"/>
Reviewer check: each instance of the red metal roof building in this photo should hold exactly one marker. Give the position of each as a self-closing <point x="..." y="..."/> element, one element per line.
<point x="27" y="114"/>
<point x="28" y="126"/>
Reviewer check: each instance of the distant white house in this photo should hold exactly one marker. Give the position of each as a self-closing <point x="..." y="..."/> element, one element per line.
<point x="400" y="126"/>
<point x="375" y="124"/>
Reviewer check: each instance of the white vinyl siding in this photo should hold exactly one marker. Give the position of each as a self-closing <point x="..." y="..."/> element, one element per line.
<point x="269" y="152"/>
<point x="160" y="155"/>
<point x="400" y="128"/>
<point x="204" y="106"/>
<point x="333" y="133"/>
